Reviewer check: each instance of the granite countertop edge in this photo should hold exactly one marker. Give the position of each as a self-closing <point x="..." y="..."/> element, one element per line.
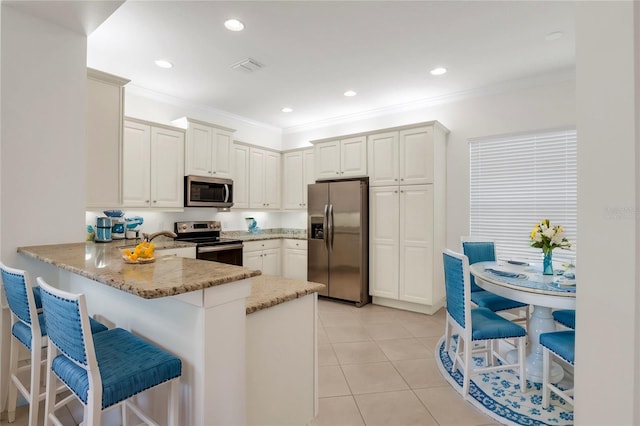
<point x="272" y="290"/>
<point x="113" y="276"/>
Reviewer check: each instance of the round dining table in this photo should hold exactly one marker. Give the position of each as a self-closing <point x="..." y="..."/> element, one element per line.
<point x="525" y="283"/>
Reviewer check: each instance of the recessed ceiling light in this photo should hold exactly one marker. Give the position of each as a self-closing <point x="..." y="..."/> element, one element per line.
<point x="350" y="93"/>
<point x="164" y="64"/>
<point x="287" y="109"/>
<point x="438" y="71"/>
<point x="233" y="25"/>
<point x="554" y="36"/>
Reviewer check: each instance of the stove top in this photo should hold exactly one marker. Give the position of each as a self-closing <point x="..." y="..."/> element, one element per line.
<point x="202" y="233"/>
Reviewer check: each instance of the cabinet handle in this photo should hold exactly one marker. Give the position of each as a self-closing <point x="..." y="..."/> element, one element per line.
<point x="337" y="173"/>
<point x="155" y="201"/>
<point x="209" y="172"/>
<point x="402" y="179"/>
<point x="396" y="179"/>
<point x="147" y="201"/>
<point x="341" y="173"/>
<point x="395" y="192"/>
<point x="214" y="172"/>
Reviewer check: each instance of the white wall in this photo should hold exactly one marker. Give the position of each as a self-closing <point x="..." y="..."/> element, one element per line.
<point x="42" y="140"/>
<point x="163" y="109"/>
<point x="43" y="135"/>
<point x="607" y="346"/>
<point x="547" y="106"/>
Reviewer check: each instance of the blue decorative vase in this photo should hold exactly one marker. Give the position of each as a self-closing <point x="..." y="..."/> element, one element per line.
<point x="547" y="264"/>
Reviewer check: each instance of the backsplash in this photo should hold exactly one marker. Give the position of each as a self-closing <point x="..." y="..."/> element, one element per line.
<point x="280" y="232"/>
<point x="230" y="221"/>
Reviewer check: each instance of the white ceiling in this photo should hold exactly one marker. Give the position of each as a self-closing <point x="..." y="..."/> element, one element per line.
<point x="315" y="50"/>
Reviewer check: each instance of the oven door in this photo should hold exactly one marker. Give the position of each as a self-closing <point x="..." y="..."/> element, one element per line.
<point x="223" y="253"/>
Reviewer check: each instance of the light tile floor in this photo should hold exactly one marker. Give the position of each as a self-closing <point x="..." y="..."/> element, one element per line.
<point x="376" y="367"/>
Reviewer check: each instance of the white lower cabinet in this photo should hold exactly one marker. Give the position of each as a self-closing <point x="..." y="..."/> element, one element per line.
<point x="294" y="259"/>
<point x="263" y="255"/>
<point x="402" y="242"/>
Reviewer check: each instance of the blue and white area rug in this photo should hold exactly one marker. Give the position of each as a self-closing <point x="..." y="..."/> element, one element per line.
<point x="498" y="395"/>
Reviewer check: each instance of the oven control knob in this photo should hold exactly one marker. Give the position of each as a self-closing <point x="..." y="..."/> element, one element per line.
<point x="183" y="227"/>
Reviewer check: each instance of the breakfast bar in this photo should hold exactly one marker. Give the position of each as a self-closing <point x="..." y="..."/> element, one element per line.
<point x="227" y="324"/>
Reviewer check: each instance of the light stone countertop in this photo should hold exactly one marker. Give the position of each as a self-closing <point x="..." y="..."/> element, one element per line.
<point x="167" y="276"/>
<point x="271" y="290"/>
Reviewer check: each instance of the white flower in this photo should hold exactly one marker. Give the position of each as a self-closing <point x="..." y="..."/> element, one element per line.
<point x="549" y="232"/>
<point x="538" y="237"/>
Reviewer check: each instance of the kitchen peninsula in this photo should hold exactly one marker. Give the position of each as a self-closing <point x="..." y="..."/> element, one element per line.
<point x="248" y="342"/>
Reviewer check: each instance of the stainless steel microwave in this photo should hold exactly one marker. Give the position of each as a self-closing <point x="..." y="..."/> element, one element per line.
<point x="202" y="191"/>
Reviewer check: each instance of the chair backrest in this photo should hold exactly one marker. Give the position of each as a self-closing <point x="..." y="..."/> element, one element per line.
<point x="19" y="292"/>
<point x="67" y="320"/>
<point x="457" y="286"/>
<point x="478" y="251"/>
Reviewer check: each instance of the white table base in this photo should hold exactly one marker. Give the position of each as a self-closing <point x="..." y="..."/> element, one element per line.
<point x="541" y="321"/>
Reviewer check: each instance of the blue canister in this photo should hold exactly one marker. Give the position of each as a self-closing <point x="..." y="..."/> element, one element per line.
<point x="103" y="230"/>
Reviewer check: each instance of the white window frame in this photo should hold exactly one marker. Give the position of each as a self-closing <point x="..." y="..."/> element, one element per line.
<point x="515" y="181"/>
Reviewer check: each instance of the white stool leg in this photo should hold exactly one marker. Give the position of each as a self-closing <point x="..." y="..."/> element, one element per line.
<point x="12" y="399"/>
<point x="174" y="399"/>
<point x="34" y="393"/>
<point x="545" y="377"/>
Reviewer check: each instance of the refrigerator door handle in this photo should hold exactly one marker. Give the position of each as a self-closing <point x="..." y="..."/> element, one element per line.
<point x="325" y="226"/>
<point x="331" y="226"/>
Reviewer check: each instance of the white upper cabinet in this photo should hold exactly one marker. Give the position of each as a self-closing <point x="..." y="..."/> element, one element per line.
<point x="298" y="173"/>
<point x="208" y="149"/>
<point x="153" y="165"/>
<point x="105" y="109"/>
<point x="341" y="158"/>
<point x="240" y="175"/>
<point x="404" y="157"/>
<point x="264" y="179"/>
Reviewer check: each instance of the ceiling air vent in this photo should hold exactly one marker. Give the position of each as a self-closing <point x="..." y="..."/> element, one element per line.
<point x="247" y="65"/>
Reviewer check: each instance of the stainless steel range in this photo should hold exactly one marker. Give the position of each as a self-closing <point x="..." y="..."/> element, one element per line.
<point x="209" y="245"/>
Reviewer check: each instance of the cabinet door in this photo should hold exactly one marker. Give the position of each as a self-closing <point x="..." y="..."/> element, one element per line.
<point x="240" y="176"/>
<point x="308" y="170"/>
<point x="167" y="168"/>
<point x="256" y="178"/>
<point x="272" y="188"/>
<point x="252" y="259"/>
<point x="293" y="180"/>
<point x="136" y="170"/>
<point x="353" y="157"/>
<point x="104" y="143"/>
<point x="416" y="243"/>
<point x="416" y="156"/>
<point x="271" y="262"/>
<point x="327" y="160"/>
<point x="383" y="163"/>
<point x="221" y="151"/>
<point x="383" y="242"/>
<point x="295" y="264"/>
<point x="199" y="150"/>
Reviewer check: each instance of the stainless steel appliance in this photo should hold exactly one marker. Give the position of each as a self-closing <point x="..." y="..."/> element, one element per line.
<point x="338" y="224"/>
<point x="202" y="191"/>
<point x="209" y="245"/>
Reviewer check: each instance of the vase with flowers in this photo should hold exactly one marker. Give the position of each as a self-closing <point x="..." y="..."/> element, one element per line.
<point x="547" y="238"/>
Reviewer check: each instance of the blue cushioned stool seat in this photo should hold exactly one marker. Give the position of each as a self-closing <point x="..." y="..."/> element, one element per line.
<point x="566" y="317"/>
<point x="561" y="343"/>
<point x="486" y="299"/>
<point x="486" y="324"/>
<point x="128" y="365"/>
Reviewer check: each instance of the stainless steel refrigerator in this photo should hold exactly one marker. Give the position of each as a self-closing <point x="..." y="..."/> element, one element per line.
<point x="338" y="224"/>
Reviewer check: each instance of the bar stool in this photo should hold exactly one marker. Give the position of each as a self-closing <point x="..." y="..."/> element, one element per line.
<point x="104" y="371"/>
<point x="28" y="330"/>
<point x="562" y="345"/>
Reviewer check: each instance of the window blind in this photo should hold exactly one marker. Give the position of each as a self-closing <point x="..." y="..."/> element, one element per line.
<point x="515" y="182"/>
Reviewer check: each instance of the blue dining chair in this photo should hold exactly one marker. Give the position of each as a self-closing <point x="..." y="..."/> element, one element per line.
<point x="560" y="344"/>
<point x="27" y="331"/>
<point x="104" y="370"/>
<point x="477" y="325"/>
<point x="484" y="251"/>
<point x="566" y="317"/>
